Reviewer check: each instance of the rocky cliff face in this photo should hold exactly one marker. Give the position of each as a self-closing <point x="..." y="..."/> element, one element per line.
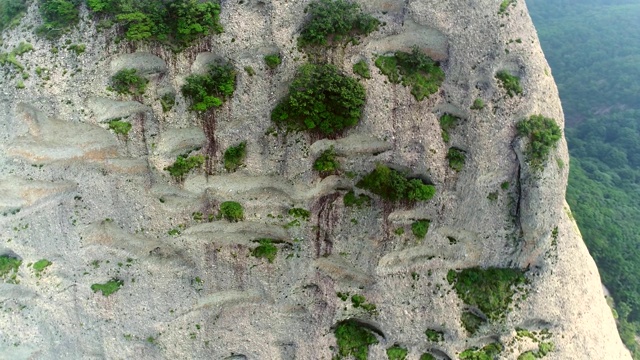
<point x="100" y="206"/>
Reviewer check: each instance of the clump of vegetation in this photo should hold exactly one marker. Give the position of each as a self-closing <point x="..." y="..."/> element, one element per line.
<point x="353" y="340"/>
<point x="234" y="156"/>
<point x="544" y="348"/>
<point x="504" y="185"/>
<point x="58" y="16"/>
<point x="211" y="89"/>
<point x="335" y="21"/>
<point x="420" y="228"/>
<point x="273" y="61"/>
<point x="414" y="69"/>
<point x="184" y="164"/>
<point x="504" y="5"/>
<point x="120" y="127"/>
<point x="361" y="68"/>
<point x="393" y="186"/>
<point x="350" y="199"/>
<point x="109" y="287"/>
<point x="175" y="22"/>
<point x="232" y="211"/>
<point x="396" y="352"/>
<point x="9" y="268"/>
<point x="10" y="58"/>
<point x="327" y="163"/>
<point x="543" y="134"/>
<point x="488" y="352"/>
<point x="77" y="48"/>
<point x="299" y="213"/>
<point x="427" y="356"/>
<point x="447" y="122"/>
<point x="434" y="335"/>
<point x="127" y="81"/>
<point x="471" y="322"/>
<point x="491" y="290"/>
<point x="321" y="100"/>
<point x="249" y="70"/>
<point x="40" y="265"/>
<point x="478" y="104"/>
<point x="359" y="301"/>
<point x="10" y="12"/>
<point x="167" y="101"/>
<point x="266" y="250"/>
<point x="510" y="83"/>
<point x="456" y="159"/>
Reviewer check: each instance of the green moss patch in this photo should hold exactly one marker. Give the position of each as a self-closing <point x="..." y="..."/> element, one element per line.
<point x="40" y="265"/>
<point x="321" y="100"/>
<point x="120" y="127"/>
<point x="184" y="164"/>
<point x="414" y="69"/>
<point x="266" y="250"/>
<point x="543" y="134"/>
<point x="234" y="156"/>
<point x="491" y="290"/>
<point x="109" y="287"/>
<point x="353" y="340"/>
<point x="391" y="185"/>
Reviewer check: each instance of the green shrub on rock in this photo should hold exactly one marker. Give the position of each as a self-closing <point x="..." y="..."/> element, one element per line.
<point x="211" y="89"/>
<point x="127" y="81"/>
<point x="273" y="61"/>
<point x="321" y="100"/>
<point x="543" y="134"/>
<point x="184" y="164"/>
<point x="396" y="352"/>
<point x="232" y="211"/>
<point x="234" y="156"/>
<point x="10" y="12"/>
<point x="353" y="340"/>
<point x="510" y="83"/>
<point x="266" y="250"/>
<point x="393" y="186"/>
<point x="327" y="163"/>
<point x="456" y="158"/>
<point x="420" y="228"/>
<point x="58" y="16"/>
<point x="120" y="127"/>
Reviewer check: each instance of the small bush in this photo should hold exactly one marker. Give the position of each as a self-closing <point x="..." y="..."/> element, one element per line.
<point x="299" y="213"/>
<point x="488" y="352"/>
<point x="327" y="163"/>
<point x="420" y="228"/>
<point x="414" y="69"/>
<point x="11" y="11"/>
<point x="471" y="322"/>
<point x="393" y="186"/>
<point x="40" y="265"/>
<point x="456" y="159"/>
<point x="434" y="335"/>
<point x="353" y="340"/>
<point x="120" y="127"/>
<point x="77" y="48"/>
<point x="211" y="89"/>
<point x="510" y="83"/>
<point x="234" y="156"/>
<point x="478" y="104"/>
<point x="504" y="185"/>
<point x="350" y="199"/>
<point x="232" y="211"/>
<point x="249" y="70"/>
<point x="9" y="268"/>
<point x="273" y="61"/>
<point x="109" y="287"/>
<point x="543" y="134"/>
<point x="361" y="68"/>
<point x="167" y="101"/>
<point x="58" y="16"/>
<point x="266" y="250"/>
<point x="335" y="21"/>
<point x="427" y="356"/>
<point x="320" y="100"/>
<point x="184" y="164"/>
<point x="127" y="81"/>
<point x="447" y="122"/>
<point x="504" y="5"/>
<point x="397" y="353"/>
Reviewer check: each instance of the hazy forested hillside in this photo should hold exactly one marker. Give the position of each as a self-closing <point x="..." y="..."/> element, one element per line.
<point x="593" y="47"/>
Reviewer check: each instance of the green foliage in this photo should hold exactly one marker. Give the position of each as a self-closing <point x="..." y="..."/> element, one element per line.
<point x="10" y="12"/>
<point x="273" y="61"/>
<point x="447" y="122"/>
<point x="504" y="5"/>
<point x="420" y="228"/>
<point x="478" y="104"/>
<point x="396" y="352"/>
<point x="456" y="158"/>
<point x="266" y="250"/>
<point x="249" y="70"/>
<point x="327" y="163"/>
<point x="510" y="83"/>
<point x="543" y="134"/>
<point x="504" y="185"/>
<point x="353" y="340"/>
<point x="120" y="127"/>
<point x="544" y="348"/>
<point x="58" y="16"/>
<point x="491" y="289"/>
<point x="232" y="211"/>
<point x="234" y="156"/>
<point x="299" y="213"/>
<point x="393" y="186"/>
<point x="321" y="100"/>
<point x="184" y="164"/>
<point x="434" y="335"/>
<point x="211" y="89"/>
<point x="427" y="356"/>
<point x="77" y="48"/>
<point x="350" y="199"/>
<point x="40" y="265"/>
<point x="167" y="101"/>
<point x="175" y="22"/>
<point x="414" y="69"/>
<point x="335" y="21"/>
<point x="9" y="268"/>
<point x="109" y="287"/>
<point x="361" y="68"/>
<point x="471" y="322"/>
<point x="127" y="81"/>
<point x="488" y="352"/>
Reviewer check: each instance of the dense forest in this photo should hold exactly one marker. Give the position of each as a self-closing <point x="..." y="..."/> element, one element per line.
<point x="593" y="47"/>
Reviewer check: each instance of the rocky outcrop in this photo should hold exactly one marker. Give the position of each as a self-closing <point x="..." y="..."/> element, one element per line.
<point x="101" y="206"/>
